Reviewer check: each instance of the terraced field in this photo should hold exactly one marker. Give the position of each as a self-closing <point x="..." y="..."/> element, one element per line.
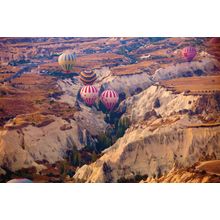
<point x="194" y="85"/>
<point x="26" y="94"/>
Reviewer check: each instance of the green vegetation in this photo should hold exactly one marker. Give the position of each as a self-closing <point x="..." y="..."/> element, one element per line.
<point x="125" y="50"/>
<point x="63" y="168"/>
<point x="51" y="102"/>
<point x="73" y="155"/>
<point x="108" y="138"/>
<point x="18" y="62"/>
<point x="157" y="103"/>
<point x="89" y="51"/>
<point x="77" y="157"/>
<point x="123" y="124"/>
<point x="156" y="39"/>
<point x="61" y="74"/>
<point x="104" y="141"/>
<point x="136" y="179"/>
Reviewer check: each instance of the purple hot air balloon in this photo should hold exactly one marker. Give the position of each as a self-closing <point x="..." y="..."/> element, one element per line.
<point x="189" y="53"/>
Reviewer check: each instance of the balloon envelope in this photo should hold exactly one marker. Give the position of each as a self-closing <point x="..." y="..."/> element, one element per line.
<point x="22" y="180"/>
<point x="87" y="77"/>
<point x="89" y="94"/>
<point x="67" y="61"/>
<point x="189" y="53"/>
<point x="109" y="98"/>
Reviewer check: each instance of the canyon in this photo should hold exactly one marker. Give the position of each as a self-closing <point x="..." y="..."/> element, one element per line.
<point x="173" y="123"/>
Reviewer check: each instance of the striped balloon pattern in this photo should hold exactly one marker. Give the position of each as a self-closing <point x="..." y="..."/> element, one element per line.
<point x="189" y="53"/>
<point x="89" y="94"/>
<point x="67" y="61"/>
<point x="109" y="98"/>
<point x="87" y="77"/>
<point x="21" y="180"/>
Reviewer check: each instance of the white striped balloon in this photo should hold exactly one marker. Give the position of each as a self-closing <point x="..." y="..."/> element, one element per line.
<point x="89" y="94"/>
<point x="109" y="98"/>
<point x="67" y="61"/>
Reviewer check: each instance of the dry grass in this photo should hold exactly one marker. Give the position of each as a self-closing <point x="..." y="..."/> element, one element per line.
<point x="36" y="119"/>
<point x="194" y="85"/>
<point x="214" y="47"/>
<point x="132" y="68"/>
<point x="98" y="60"/>
<point x="204" y="125"/>
<point x="29" y="95"/>
<point x="7" y="71"/>
<point x="91" y="61"/>
<point x="212" y="167"/>
<point x="5" y="75"/>
<point x="99" y="57"/>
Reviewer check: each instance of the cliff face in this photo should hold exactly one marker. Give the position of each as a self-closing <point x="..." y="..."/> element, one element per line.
<point x="126" y="83"/>
<point x="160" y="137"/>
<point x="129" y="84"/>
<point x="184" y="176"/>
<point x="143" y="152"/>
<point x="202" y="67"/>
<point x="22" y="147"/>
<point x="204" y="172"/>
<point x="86" y="117"/>
<point x="156" y="98"/>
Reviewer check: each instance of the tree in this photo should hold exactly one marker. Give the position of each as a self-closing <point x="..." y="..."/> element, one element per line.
<point x="103" y="142"/>
<point x="73" y="155"/>
<point x="94" y="156"/>
<point x="157" y="103"/>
<point x="123" y="124"/>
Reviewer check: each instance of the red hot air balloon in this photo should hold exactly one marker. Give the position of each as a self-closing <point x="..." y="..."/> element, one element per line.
<point x="109" y="98"/>
<point x="89" y="94"/>
<point x="189" y="53"/>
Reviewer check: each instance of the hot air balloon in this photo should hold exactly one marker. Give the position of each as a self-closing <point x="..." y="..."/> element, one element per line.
<point x="87" y="77"/>
<point x="89" y="94"/>
<point x="189" y="53"/>
<point x="109" y="98"/>
<point x="21" y="180"/>
<point x="67" y="60"/>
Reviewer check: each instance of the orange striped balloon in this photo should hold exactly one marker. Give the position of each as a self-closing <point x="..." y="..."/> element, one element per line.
<point x="87" y="77"/>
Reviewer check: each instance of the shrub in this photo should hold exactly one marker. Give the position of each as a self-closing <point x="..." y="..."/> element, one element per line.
<point x="199" y="72"/>
<point x="103" y="142"/>
<point x="157" y="103"/>
<point x="51" y="102"/>
<point x="73" y="155"/>
<point x="156" y="39"/>
<point x="123" y="124"/>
